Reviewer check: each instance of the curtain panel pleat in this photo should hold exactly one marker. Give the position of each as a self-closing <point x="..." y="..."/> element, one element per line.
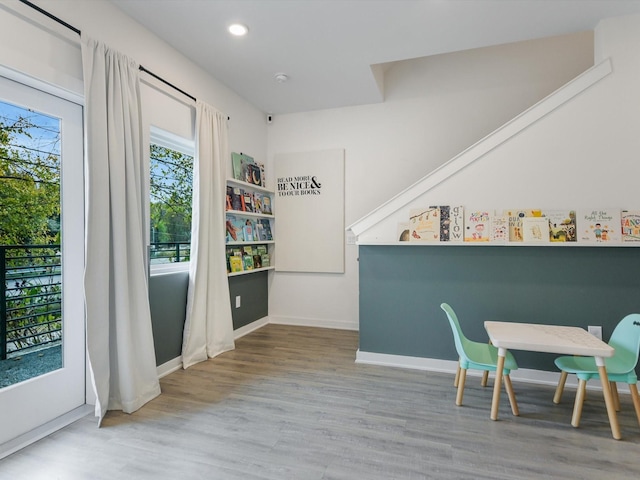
<point x="208" y="329"/>
<point x="119" y="334"/>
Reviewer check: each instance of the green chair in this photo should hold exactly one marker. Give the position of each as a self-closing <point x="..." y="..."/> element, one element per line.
<point x="625" y="339"/>
<point x="478" y="356"/>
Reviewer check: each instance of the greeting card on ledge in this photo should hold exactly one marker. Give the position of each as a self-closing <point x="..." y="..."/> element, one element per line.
<point x="600" y="226"/>
<point x="402" y="234"/>
<point x="515" y="222"/>
<point x="456" y="224"/>
<point x="562" y="225"/>
<point x="424" y="224"/>
<point x="500" y="228"/>
<point x="477" y="226"/>
<point x="535" y="229"/>
<point x="630" y="221"/>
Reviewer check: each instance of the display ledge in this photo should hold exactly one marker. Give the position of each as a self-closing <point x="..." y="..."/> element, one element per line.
<point x="240" y="183"/>
<point x="246" y="272"/>
<point x="257" y="242"/>
<point x="496" y="244"/>
<point x="242" y="213"/>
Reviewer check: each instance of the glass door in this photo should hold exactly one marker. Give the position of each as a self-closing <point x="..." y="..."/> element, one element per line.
<point x="42" y="353"/>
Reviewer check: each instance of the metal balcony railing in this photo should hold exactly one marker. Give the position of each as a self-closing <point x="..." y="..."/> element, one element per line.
<point x="30" y="298"/>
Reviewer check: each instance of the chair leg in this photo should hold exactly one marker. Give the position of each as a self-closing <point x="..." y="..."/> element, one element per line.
<point x="463" y="376"/>
<point x="512" y="396"/>
<point x="615" y="396"/>
<point x="455" y="380"/>
<point x="577" y="408"/>
<point x="560" y="387"/>
<point x="485" y="378"/>
<point x="633" y="388"/>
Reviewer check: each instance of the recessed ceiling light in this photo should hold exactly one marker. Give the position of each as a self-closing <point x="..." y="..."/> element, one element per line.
<point x="281" y="77"/>
<point x="238" y="29"/>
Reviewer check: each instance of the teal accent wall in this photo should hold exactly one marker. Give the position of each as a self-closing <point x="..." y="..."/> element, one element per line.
<point x="254" y="293"/>
<point x="168" y="301"/>
<point x="402" y="287"/>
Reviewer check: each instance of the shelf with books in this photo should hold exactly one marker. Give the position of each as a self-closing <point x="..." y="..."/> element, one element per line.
<point x="250" y="243"/>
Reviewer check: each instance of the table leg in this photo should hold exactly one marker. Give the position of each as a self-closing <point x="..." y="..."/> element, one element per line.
<point x="608" y="398"/>
<point x="497" y="385"/>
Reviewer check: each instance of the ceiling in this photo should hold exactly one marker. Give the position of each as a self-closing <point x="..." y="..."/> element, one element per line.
<point x="334" y="50"/>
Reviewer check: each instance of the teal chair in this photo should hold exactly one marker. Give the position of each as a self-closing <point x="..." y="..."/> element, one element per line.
<point x="625" y="339"/>
<point x="478" y="356"/>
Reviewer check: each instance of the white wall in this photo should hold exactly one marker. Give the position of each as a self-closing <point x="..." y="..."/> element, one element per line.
<point x="51" y="52"/>
<point x="434" y="108"/>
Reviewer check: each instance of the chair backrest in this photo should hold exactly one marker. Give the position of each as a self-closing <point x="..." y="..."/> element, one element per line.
<point x="626" y="340"/>
<point x="460" y="340"/>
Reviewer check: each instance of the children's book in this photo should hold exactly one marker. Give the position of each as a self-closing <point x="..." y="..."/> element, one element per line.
<point x="247" y="201"/>
<point x="630" y="222"/>
<point x="260" y="249"/>
<point x="236" y="198"/>
<point x="254" y="174"/>
<point x="247" y="260"/>
<point x="499" y="229"/>
<point x="266" y="225"/>
<point x="535" y="229"/>
<point x="266" y="204"/>
<point x="236" y="263"/>
<point x="257" y="261"/>
<point x="240" y="166"/>
<point x="443" y="214"/>
<point x="234" y="228"/>
<point x="229" y="204"/>
<point x="477" y="226"/>
<point x="266" y="260"/>
<point x="257" y="203"/>
<point x="562" y="225"/>
<point x="424" y="224"/>
<point x="248" y="231"/>
<point x="599" y="226"/>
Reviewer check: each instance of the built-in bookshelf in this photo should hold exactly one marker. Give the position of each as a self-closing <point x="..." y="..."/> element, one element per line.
<point x="250" y="240"/>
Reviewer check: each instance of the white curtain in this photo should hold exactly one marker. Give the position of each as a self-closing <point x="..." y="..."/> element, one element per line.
<point x="208" y="329"/>
<point x="119" y="336"/>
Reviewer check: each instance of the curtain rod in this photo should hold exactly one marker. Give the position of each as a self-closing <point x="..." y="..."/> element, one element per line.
<point x="76" y="30"/>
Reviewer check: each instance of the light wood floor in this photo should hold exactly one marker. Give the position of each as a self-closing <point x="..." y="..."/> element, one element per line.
<point x="290" y="403"/>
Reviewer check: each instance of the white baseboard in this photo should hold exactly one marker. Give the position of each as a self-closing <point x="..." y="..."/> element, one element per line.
<point x="313" y="322"/>
<point x="253" y="326"/>
<point x="524" y="375"/>
<point x="169" y="367"/>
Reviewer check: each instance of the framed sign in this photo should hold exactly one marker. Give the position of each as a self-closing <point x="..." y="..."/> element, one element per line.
<point x="310" y="211"/>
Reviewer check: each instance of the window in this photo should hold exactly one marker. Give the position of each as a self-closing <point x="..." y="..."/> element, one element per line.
<point x="170" y="192"/>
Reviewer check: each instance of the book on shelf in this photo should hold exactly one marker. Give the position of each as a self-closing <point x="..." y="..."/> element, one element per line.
<point x="261" y="249"/>
<point x="240" y="166"/>
<point x="263" y="179"/>
<point x="424" y="224"/>
<point x="477" y="226"/>
<point x="599" y="225"/>
<point x="247" y="201"/>
<point x="535" y="229"/>
<point x="247" y="260"/>
<point x="266" y="227"/>
<point x="254" y="176"/>
<point x="228" y="202"/>
<point x="266" y="260"/>
<point x="234" y="227"/>
<point x="630" y="223"/>
<point x="257" y="261"/>
<point x="266" y="204"/>
<point x="499" y="229"/>
<point x="515" y="222"/>
<point x="257" y="203"/>
<point x="236" y="198"/>
<point x="248" y="231"/>
<point x="562" y="225"/>
<point x="236" y="263"/>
